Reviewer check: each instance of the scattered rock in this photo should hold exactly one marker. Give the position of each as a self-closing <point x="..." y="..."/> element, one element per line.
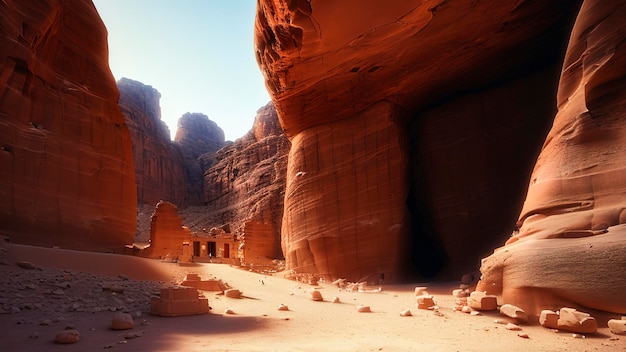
<point x="482" y="301"/>
<point x="316" y="295"/>
<point x="336" y="300"/>
<point x="549" y="319"/>
<point x="460" y="293"/>
<point x="232" y="293"/>
<point x="122" y="321"/>
<point x="67" y="336"/>
<point x="572" y="320"/>
<point x="514" y="312"/>
<point x="132" y="335"/>
<point x="421" y="291"/>
<point x="34" y="335"/>
<point x="46" y="322"/>
<point x="25" y="265"/>
<point x="229" y="311"/>
<point x="283" y="307"/>
<point x="405" y="313"/>
<point x="617" y="326"/>
<point x="363" y="309"/>
<point x="514" y="327"/>
<point x="523" y="335"/>
<point x="425" y="302"/>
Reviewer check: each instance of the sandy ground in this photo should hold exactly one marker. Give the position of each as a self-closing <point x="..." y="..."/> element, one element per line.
<point x="70" y="289"/>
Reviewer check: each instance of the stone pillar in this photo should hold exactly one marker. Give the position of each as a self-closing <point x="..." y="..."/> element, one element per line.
<point x="345" y="213"/>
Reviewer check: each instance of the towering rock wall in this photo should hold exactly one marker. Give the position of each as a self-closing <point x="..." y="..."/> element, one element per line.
<point x="375" y="96"/>
<point x="244" y="190"/>
<point x="159" y="165"/>
<point x="571" y="243"/>
<point x="67" y="175"/>
<point x="197" y="138"/>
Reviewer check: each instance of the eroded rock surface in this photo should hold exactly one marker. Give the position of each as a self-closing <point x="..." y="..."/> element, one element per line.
<point x="570" y="247"/>
<point x="67" y="177"/>
<point x="244" y="190"/>
<point x="159" y="165"/>
<point x="433" y="103"/>
<point x="197" y="138"/>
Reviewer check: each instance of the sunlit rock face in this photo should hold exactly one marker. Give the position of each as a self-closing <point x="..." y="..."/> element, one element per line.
<point x="197" y="138"/>
<point x="571" y="243"/>
<point x="66" y="174"/>
<point x="245" y="189"/>
<point x="414" y="126"/>
<point x="159" y="166"/>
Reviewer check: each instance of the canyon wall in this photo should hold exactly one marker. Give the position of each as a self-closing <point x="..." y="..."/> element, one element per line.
<point x="197" y="138"/>
<point x="570" y="247"/>
<point x="413" y="126"/>
<point x="159" y="165"/>
<point x="244" y="190"/>
<point x="67" y="177"/>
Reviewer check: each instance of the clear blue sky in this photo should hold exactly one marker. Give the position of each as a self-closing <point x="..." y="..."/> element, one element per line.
<point x="199" y="54"/>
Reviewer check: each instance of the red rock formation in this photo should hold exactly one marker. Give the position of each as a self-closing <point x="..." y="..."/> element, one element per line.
<point x="349" y="77"/>
<point x="167" y="233"/>
<point x="159" y="166"/>
<point x="244" y="190"/>
<point x="197" y="138"/>
<point x="67" y="175"/>
<point x="571" y="244"/>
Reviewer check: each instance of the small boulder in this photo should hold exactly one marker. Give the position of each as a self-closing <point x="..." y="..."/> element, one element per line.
<point x="232" y="293"/>
<point x="421" y="291"/>
<point x="482" y="301"/>
<point x="514" y="312"/>
<point x="549" y="319"/>
<point x="122" y="321"/>
<point x="405" y="313"/>
<point x="67" y="336"/>
<point x="572" y="320"/>
<point x="363" y="309"/>
<point x="283" y="307"/>
<point x="336" y="300"/>
<point x="316" y="295"/>
<point x="618" y="326"/>
<point x="425" y="302"/>
<point x="229" y="311"/>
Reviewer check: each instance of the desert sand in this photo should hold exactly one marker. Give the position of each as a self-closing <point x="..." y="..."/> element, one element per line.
<point x="75" y="289"/>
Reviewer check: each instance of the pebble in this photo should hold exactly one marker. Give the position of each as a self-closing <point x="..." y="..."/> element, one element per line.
<point x="405" y="313"/>
<point x="122" y="321"/>
<point x="232" y="293"/>
<point x="316" y="295"/>
<point x="363" y="309"/>
<point x="617" y="326"/>
<point x="283" y="307"/>
<point x="523" y="335"/>
<point x="514" y="312"/>
<point x="67" y="336"/>
<point x="229" y="311"/>
<point x="336" y="300"/>
<point x="514" y="327"/>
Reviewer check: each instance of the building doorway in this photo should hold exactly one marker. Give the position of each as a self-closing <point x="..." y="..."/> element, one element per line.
<point x="211" y="249"/>
<point x="226" y="250"/>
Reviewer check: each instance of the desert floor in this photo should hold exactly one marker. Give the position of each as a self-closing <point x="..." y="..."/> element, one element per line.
<point x="72" y="289"/>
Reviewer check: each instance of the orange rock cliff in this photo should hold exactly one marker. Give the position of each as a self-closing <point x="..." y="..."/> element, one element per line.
<point x="414" y="126"/>
<point x="67" y="174"/>
<point x="401" y="136"/>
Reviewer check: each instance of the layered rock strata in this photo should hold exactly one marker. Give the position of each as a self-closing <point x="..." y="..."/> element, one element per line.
<point x="67" y="175"/>
<point x="159" y="165"/>
<point x="570" y="246"/>
<point x="197" y="138"/>
<point x="349" y="79"/>
<point x="244" y="190"/>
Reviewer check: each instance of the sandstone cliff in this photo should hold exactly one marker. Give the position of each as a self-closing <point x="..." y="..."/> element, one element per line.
<point x="197" y="138"/>
<point x="67" y="175"/>
<point x="244" y="190"/>
<point x="159" y="165"/>
<point x="413" y="126"/>
<point x="571" y="243"/>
